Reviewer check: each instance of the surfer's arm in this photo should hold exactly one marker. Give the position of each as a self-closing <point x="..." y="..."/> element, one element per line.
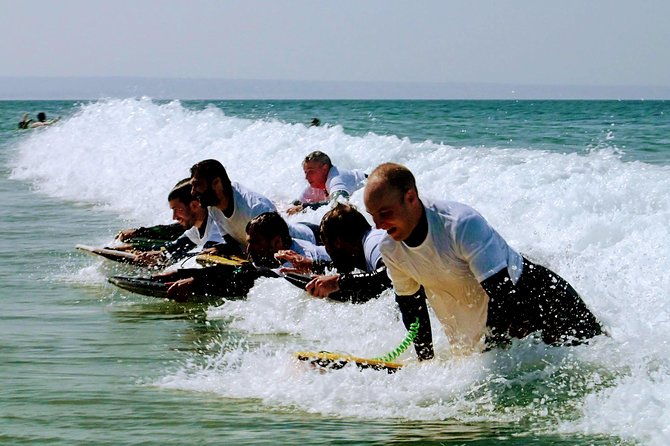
<point x="412" y="308"/>
<point x="299" y="206"/>
<point x="230" y="246"/>
<point x="361" y="287"/>
<point x="179" y="247"/>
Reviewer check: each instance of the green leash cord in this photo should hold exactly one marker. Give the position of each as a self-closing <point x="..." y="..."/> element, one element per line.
<point x="411" y="335"/>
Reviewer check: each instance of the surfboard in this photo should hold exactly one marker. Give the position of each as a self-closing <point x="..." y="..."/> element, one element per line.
<point x="111" y="254"/>
<point x="335" y="361"/>
<point x="228" y="260"/>
<point x="299" y="280"/>
<point x="141" y="285"/>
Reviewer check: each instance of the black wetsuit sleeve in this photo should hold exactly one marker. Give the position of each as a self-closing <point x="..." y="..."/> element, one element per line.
<point x="159" y="232"/>
<point x="229" y="247"/>
<point x="315" y="205"/>
<point x="179" y="247"/>
<point x="227" y="280"/>
<point x="361" y="287"/>
<point x="412" y="308"/>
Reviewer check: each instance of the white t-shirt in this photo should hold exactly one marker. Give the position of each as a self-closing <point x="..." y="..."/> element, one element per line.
<point x="211" y="234"/>
<point x="460" y="251"/>
<point x="247" y="205"/>
<point x="301" y="231"/>
<point x="348" y="181"/>
<point x="371" y="243"/>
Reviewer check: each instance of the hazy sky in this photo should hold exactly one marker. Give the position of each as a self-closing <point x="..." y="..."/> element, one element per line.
<point x="567" y="42"/>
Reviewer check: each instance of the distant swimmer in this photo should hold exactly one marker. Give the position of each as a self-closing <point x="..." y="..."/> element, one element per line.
<point x="326" y="182"/>
<point x="27" y="123"/>
<point x="315" y="122"/>
<point x="482" y="291"/>
<point x="353" y="246"/>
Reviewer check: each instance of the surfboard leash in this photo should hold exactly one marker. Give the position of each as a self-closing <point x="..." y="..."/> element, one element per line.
<point x="404" y="345"/>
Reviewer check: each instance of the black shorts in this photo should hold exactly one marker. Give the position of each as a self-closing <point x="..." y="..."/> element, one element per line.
<point x="541" y="301"/>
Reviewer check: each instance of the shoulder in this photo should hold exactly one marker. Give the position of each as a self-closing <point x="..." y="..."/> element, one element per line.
<point x="450" y="211"/>
<point x="250" y="196"/>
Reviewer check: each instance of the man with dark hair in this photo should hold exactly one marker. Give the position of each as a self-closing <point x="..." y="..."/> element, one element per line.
<point x="326" y="182"/>
<point x="483" y="292"/>
<point x="353" y="246"/>
<point x="268" y="234"/>
<point x="232" y="205"/>
<point x="201" y="231"/>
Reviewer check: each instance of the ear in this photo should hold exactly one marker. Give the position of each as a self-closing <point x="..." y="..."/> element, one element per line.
<point x="276" y="243"/>
<point x="411" y="196"/>
<point x="194" y="206"/>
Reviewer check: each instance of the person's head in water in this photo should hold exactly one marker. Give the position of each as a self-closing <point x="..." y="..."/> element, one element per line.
<point x="185" y="207"/>
<point x="393" y="201"/>
<point x="316" y="166"/>
<point x="342" y="232"/>
<point x="42" y="117"/>
<point x="210" y="183"/>
<point x="315" y="122"/>
<point x="267" y="234"/>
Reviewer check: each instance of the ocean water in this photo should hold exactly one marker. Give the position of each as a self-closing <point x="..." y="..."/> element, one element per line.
<point x="580" y="186"/>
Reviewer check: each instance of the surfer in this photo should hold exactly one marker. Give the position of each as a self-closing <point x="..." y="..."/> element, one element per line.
<point x="483" y="292"/>
<point x="27" y="123"/>
<point x="232" y="206"/>
<point x="200" y="229"/>
<point x="268" y="234"/>
<point x="326" y="183"/>
<point x="353" y="246"/>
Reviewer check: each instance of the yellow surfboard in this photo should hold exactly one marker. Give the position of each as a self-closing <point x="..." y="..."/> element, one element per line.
<point x="336" y="361"/>
<point x="211" y="259"/>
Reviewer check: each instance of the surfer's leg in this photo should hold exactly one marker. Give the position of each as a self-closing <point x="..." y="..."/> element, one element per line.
<point x="560" y="312"/>
<point x="509" y="313"/>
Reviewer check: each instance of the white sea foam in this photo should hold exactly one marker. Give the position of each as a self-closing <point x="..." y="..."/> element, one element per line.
<point x="600" y="222"/>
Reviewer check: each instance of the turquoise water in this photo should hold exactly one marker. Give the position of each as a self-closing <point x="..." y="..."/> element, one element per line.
<point x="581" y="186"/>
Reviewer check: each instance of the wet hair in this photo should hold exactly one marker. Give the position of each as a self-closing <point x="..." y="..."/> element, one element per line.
<point x="319" y="157"/>
<point x="344" y="222"/>
<point x="210" y="169"/>
<point x="269" y="225"/>
<point x="395" y="175"/>
<point x="182" y="192"/>
<point x="41" y="116"/>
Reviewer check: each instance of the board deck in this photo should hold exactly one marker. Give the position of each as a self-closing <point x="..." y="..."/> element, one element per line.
<point x="141" y="285"/>
<point x="231" y="260"/>
<point x="335" y="361"/>
<point x="111" y="254"/>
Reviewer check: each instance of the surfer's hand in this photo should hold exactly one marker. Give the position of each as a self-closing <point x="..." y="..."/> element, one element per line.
<point x="181" y="289"/>
<point x="322" y="286"/>
<point x="150" y="257"/>
<point x="295" y="209"/>
<point x="126" y="234"/>
<point x="301" y="264"/>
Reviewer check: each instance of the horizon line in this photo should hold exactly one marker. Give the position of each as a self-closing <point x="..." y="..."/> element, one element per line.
<point x="98" y="87"/>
